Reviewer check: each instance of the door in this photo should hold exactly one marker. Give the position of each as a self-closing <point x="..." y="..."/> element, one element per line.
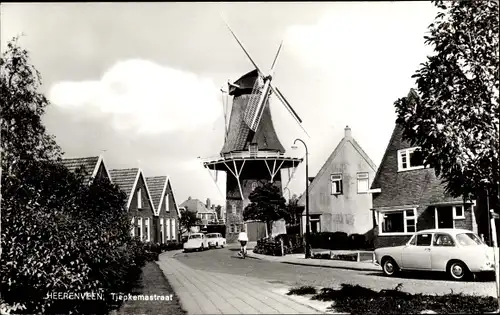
<point x="443" y="249"/>
<point x="444" y="218"/>
<point x="417" y="256"/>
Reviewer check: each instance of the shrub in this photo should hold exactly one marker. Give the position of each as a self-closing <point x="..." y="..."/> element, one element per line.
<point x="303" y="290"/>
<point x="357" y="241"/>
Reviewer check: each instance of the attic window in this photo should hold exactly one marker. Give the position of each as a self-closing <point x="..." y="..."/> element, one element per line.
<point x="363" y="182"/>
<point x="167" y="203"/>
<point x="409" y="159"/>
<point x="139" y="199"/>
<point x="336" y="183"/>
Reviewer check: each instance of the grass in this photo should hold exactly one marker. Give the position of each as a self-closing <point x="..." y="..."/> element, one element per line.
<point x="355" y="299"/>
<point x="304" y="290"/>
<point x="153" y="282"/>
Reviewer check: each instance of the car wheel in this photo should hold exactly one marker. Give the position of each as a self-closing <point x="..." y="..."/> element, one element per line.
<point x="389" y="267"/>
<point x="458" y="270"/>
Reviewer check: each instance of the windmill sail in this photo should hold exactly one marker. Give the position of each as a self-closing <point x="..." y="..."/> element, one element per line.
<point x="252" y="111"/>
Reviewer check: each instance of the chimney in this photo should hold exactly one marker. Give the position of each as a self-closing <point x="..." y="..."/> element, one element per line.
<point x="347" y="131"/>
<point x="208" y="203"/>
<point x="189" y="198"/>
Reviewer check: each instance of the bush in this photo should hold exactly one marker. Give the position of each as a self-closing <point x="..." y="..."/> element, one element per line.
<point x="338" y="241"/>
<point x="272" y="246"/>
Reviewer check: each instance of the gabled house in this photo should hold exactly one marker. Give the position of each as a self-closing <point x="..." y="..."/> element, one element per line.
<point x="204" y="211"/>
<point x="167" y="214"/>
<point x="339" y="195"/>
<point x="139" y="205"/>
<point x="94" y="166"/>
<point x="410" y="197"/>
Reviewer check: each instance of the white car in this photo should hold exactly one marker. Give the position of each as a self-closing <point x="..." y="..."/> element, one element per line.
<point x="215" y="240"/>
<point x="196" y="241"/>
<point x="458" y="252"/>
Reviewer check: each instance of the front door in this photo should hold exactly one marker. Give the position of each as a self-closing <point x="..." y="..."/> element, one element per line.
<point x="444" y="217"/>
<point x="417" y="256"/>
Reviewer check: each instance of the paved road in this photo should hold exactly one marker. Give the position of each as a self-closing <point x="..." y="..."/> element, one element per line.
<point x="226" y="260"/>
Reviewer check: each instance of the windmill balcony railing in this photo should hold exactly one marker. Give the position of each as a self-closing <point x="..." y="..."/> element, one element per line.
<point x="248" y="155"/>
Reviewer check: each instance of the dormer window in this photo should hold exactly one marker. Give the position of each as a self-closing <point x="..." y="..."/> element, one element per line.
<point x="409" y="159"/>
<point x="139" y="198"/>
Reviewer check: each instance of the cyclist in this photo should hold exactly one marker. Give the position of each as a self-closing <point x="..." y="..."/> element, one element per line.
<point x="243" y="239"/>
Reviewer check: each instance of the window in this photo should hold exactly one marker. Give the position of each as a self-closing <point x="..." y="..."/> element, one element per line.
<point x="409" y="159"/>
<point x="468" y="239"/>
<point x="236" y="229"/>
<point x="139" y="199"/>
<point x="363" y="183"/>
<point x="424" y="239"/>
<point x="140" y="230"/>
<point x="458" y="212"/>
<point x="336" y="180"/>
<point x="167" y="203"/>
<point x="401" y="221"/>
<point x="162" y="227"/>
<point x="441" y="239"/>
<point x="167" y="229"/>
<point x="233" y="208"/>
<point x="132" y="229"/>
<point x="413" y="241"/>
<point x="231" y="228"/>
<point x="315" y="223"/>
<point x="173" y="229"/>
<point x="147" y="230"/>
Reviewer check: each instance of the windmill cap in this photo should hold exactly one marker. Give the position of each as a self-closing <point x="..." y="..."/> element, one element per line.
<point x="245" y="83"/>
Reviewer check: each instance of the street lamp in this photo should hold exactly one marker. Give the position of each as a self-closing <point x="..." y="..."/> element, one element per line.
<point x="308" y="252"/>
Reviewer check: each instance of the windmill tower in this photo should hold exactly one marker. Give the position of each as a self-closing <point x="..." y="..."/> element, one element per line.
<point x="252" y="154"/>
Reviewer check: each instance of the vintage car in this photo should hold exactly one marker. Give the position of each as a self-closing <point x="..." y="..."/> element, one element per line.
<point x="458" y="252"/>
<point x="196" y="241"/>
<point x="215" y="240"/>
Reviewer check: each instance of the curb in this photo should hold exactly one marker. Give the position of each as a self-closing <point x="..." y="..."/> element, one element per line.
<point x="314" y="265"/>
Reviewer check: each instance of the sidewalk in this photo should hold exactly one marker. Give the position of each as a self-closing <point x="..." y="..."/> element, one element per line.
<point x="298" y="259"/>
<point x="203" y="292"/>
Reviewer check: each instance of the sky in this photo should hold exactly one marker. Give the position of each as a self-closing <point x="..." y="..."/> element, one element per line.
<point x="140" y="82"/>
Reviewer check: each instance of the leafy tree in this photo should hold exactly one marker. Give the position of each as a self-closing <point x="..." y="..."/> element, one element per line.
<point x="59" y="234"/>
<point x="266" y="205"/>
<point x="454" y="113"/>
<point x="187" y="220"/>
<point x="293" y="211"/>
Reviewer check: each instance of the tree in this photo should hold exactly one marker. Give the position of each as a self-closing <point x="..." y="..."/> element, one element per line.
<point x="266" y="205"/>
<point x="453" y="116"/>
<point x="188" y="220"/>
<point x="293" y="211"/>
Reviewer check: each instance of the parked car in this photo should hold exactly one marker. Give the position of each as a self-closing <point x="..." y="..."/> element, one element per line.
<point x="458" y="252"/>
<point x="196" y="241"/>
<point x="215" y="240"/>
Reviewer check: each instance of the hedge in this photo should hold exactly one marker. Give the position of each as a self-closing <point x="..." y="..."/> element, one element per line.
<point x="272" y="246"/>
<point x="339" y="241"/>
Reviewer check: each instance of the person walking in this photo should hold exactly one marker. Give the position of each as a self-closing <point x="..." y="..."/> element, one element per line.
<point x="243" y="239"/>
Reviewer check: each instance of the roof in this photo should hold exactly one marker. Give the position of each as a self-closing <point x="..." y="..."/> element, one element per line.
<point x="345" y="140"/>
<point x="420" y="186"/>
<point x="90" y="164"/>
<point x="239" y="134"/>
<point x="157" y="186"/>
<point x="125" y="179"/>
<point x="195" y="205"/>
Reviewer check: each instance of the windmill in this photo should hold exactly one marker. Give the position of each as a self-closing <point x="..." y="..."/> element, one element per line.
<point x="262" y="91"/>
<point x="252" y="154"/>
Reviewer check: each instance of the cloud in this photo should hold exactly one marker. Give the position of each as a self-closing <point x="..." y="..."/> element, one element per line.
<point x="144" y="97"/>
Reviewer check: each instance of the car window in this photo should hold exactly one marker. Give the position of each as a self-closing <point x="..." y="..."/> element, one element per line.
<point x="468" y="239"/>
<point x="211" y="235"/>
<point x="413" y="240"/>
<point x="424" y="239"/>
<point x="194" y="236"/>
<point x="441" y="239"/>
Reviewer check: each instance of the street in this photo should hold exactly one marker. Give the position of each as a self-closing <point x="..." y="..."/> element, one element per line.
<point x="226" y="260"/>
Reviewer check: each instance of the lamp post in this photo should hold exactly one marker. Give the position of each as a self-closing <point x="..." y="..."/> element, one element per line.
<point x="308" y="252"/>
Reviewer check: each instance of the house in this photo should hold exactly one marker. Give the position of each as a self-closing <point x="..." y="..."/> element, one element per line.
<point x="339" y="195"/>
<point x="94" y="166"/>
<point x="410" y="197"/>
<point x="139" y="204"/>
<point x="167" y="215"/>
<point x="204" y="211"/>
